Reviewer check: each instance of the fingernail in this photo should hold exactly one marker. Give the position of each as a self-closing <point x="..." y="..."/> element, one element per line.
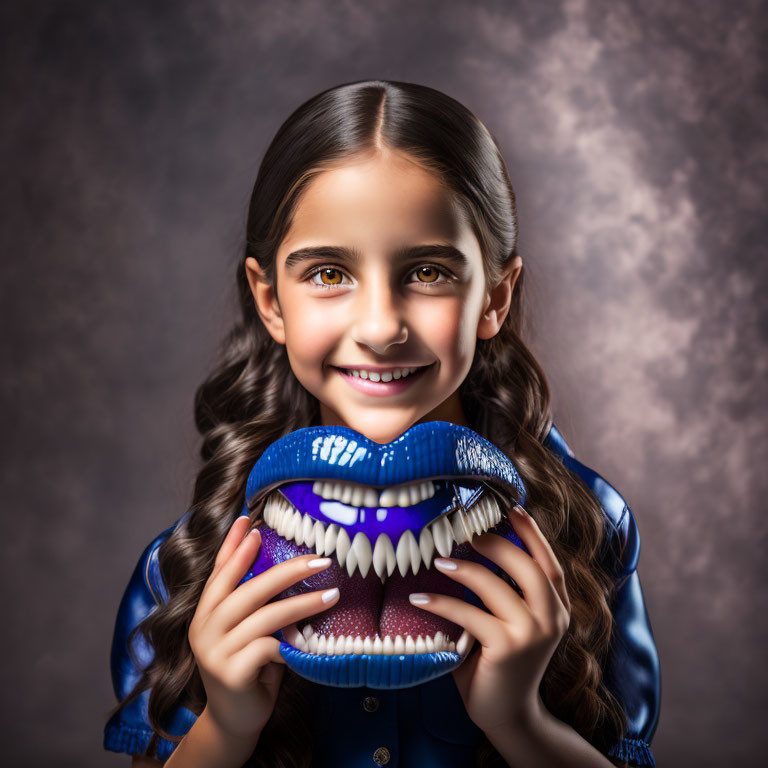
<point x="419" y="598"/>
<point x="319" y="562"/>
<point x="254" y="530"/>
<point x="445" y="565"/>
<point x="520" y="511"/>
<point x="330" y="594"/>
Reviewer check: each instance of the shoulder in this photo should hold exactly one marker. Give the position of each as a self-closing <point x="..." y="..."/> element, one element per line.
<point x="128" y="729"/>
<point x="632" y="670"/>
<point x="144" y="592"/>
<point x="151" y="566"/>
<point x="146" y="586"/>
<point x="623" y="536"/>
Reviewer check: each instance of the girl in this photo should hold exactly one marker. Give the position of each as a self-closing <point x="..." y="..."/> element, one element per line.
<point x="381" y="244"/>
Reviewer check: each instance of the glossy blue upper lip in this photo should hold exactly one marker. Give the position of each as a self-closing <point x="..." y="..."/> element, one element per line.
<point x="427" y="450"/>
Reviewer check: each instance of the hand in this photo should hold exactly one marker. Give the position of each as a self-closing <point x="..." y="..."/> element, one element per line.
<point x="499" y="683"/>
<point x="230" y="633"/>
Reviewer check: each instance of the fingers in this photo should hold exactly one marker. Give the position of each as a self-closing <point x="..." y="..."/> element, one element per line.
<point x="248" y="662"/>
<point x="273" y="616"/>
<point x="260" y="590"/>
<point x="497" y="595"/>
<point x="489" y="631"/>
<point x="234" y="536"/>
<point x="530" y="533"/>
<point x="221" y="582"/>
<point x="540" y="597"/>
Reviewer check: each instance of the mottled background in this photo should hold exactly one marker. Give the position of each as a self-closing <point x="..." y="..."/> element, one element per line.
<point x="131" y="136"/>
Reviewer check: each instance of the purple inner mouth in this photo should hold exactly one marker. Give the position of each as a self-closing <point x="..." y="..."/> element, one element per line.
<point x="366" y="607"/>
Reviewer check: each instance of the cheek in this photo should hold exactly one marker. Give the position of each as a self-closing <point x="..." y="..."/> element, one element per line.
<point x="310" y="334"/>
<point x="447" y="328"/>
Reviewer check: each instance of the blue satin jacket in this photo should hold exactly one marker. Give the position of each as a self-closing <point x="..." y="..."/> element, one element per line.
<point x="426" y="725"/>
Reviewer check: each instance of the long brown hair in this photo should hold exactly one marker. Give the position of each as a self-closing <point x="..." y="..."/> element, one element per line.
<point x="251" y="398"/>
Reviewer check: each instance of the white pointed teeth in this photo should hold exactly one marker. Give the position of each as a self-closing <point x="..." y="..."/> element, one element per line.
<point x="426" y="546"/>
<point x="464" y="643"/>
<point x="343" y="545"/>
<point x="479" y="518"/>
<point x="441" y="534"/>
<point x="359" y="554"/>
<point x="293" y="636"/>
<point x="361" y="550"/>
<point x="384" y="559"/>
<point x="310" y="642"/>
<point x="358" y="495"/>
<point x="408" y="555"/>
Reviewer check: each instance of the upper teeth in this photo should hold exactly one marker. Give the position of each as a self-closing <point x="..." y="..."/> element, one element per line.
<point x="395" y="373"/>
<point x="458" y="526"/>
<point x="364" y="496"/>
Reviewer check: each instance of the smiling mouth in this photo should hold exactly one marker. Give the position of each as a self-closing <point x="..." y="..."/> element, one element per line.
<point x="383" y="375"/>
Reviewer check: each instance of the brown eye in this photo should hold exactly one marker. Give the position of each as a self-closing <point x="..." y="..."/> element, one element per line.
<point x="330" y="276"/>
<point x="427" y="274"/>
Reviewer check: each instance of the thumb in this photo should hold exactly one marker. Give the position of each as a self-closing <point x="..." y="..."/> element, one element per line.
<point x="271" y="676"/>
<point x="274" y="655"/>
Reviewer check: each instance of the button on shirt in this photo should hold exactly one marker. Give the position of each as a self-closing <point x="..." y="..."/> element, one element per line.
<point x="424" y="726"/>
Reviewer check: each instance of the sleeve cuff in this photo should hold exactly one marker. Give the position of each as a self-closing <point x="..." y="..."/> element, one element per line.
<point x="635" y="751"/>
<point x="120" y="737"/>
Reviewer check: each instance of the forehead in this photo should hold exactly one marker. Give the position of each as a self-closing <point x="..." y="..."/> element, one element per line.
<point x="386" y="200"/>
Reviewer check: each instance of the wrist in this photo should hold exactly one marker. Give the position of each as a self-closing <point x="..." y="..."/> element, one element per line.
<point x="523" y="720"/>
<point x="517" y="738"/>
<point x="240" y="741"/>
<point x="207" y="744"/>
<point x="535" y="738"/>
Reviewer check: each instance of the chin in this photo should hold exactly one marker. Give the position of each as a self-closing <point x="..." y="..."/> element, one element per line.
<point x="383" y="511"/>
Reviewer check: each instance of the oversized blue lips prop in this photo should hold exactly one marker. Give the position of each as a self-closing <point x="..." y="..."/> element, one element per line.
<point x="384" y="511"/>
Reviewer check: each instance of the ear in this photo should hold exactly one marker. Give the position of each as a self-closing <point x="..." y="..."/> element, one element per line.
<point x="498" y="300"/>
<point x="265" y="299"/>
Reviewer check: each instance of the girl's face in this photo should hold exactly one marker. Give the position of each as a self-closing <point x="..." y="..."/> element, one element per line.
<point x="380" y="296"/>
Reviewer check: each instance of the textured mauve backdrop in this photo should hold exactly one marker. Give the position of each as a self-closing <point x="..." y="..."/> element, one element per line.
<point x="635" y="137"/>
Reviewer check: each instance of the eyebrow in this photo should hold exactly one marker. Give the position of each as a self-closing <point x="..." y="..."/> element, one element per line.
<point x="449" y="253"/>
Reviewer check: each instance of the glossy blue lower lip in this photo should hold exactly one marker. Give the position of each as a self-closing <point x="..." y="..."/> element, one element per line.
<point x="353" y="670"/>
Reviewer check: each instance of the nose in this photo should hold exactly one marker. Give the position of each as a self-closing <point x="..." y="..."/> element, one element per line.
<point x="378" y="322"/>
